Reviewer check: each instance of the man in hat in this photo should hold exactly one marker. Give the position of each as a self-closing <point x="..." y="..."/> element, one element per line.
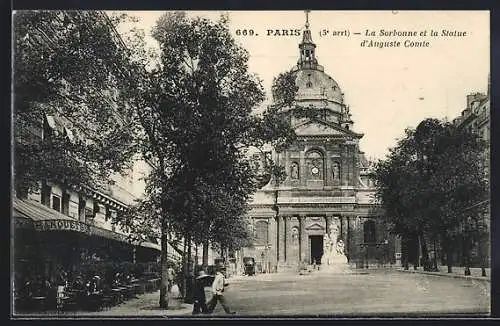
<point x="200" y="304"/>
<point x="218" y="293"/>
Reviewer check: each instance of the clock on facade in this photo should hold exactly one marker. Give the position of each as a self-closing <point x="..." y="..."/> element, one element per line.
<point x="314" y="171"/>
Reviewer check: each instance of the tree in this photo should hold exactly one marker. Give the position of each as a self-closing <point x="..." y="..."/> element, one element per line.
<point x="71" y="114"/>
<point x="428" y="181"/>
<point x="196" y="118"/>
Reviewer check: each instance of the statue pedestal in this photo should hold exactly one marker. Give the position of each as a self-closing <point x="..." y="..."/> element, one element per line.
<point x="335" y="264"/>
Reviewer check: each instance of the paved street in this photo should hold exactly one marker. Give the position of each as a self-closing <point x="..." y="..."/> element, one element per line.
<point x="362" y="293"/>
<point x="373" y="293"/>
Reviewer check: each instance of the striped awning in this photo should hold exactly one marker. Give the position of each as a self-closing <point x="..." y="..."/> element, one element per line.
<point x="31" y="214"/>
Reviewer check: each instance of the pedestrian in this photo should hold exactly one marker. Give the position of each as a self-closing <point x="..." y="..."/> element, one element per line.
<point x="199" y="299"/>
<point x="218" y="293"/>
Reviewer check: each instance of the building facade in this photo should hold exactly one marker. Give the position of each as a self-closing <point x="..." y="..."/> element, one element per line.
<point x="70" y="228"/>
<point x="476" y="118"/>
<point x="327" y="189"/>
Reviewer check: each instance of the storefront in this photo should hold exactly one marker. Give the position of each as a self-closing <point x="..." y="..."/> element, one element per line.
<point x="47" y="242"/>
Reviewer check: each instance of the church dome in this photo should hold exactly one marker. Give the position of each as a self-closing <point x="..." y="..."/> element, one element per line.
<point x="314" y="84"/>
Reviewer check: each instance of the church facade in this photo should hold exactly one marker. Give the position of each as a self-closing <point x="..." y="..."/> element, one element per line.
<point x="327" y="190"/>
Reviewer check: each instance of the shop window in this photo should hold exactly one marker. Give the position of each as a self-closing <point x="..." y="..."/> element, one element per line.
<point x="369" y="232"/>
<point x="65" y="203"/>
<point x="56" y="203"/>
<point x="45" y="195"/>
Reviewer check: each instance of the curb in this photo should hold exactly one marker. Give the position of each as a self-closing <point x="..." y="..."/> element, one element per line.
<point x="476" y="278"/>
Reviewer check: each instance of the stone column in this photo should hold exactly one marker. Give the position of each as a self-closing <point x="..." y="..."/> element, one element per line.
<point x="328" y="221"/>
<point x="302" y="238"/>
<point x="344" y="228"/>
<point x="278" y="236"/>
<point x="281" y="238"/>
<point x="302" y="168"/>
<point x="328" y="169"/>
<point x="287" y="222"/>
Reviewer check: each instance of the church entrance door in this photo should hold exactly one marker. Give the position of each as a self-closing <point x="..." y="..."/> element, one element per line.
<point x="316" y="245"/>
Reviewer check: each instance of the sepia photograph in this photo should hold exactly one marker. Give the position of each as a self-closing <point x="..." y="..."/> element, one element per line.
<point x="250" y="164"/>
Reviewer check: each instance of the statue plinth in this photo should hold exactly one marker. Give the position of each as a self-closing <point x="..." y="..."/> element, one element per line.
<point x="334" y="260"/>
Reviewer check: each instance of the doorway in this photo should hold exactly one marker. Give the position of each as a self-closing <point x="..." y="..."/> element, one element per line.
<point x="316" y="245"/>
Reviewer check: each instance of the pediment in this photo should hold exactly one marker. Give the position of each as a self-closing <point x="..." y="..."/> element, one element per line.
<point x="318" y="128"/>
<point x="315" y="227"/>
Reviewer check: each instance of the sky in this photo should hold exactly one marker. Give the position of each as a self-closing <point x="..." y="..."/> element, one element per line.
<point x="388" y="89"/>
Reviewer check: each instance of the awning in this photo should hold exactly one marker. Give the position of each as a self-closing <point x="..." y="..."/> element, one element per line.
<point x="31" y="214"/>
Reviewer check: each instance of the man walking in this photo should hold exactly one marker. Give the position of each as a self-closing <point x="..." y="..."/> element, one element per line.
<point x="200" y="304"/>
<point x="218" y="293"/>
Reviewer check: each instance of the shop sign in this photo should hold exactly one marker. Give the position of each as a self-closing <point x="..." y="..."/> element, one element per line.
<point x="61" y="225"/>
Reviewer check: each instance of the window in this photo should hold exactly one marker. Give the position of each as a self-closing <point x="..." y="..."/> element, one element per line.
<point x="81" y="208"/>
<point x="108" y="214"/>
<point x="261" y="233"/>
<point x="56" y="203"/>
<point x="369" y="232"/>
<point x="96" y="208"/>
<point x="45" y="195"/>
<point x="65" y="203"/>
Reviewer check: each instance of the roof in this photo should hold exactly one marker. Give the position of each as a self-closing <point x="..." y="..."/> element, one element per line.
<point x="314" y="84"/>
<point x="36" y="211"/>
<point x="31" y="214"/>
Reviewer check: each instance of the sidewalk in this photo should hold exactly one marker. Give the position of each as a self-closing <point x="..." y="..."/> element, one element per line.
<point x="457" y="272"/>
<point x="145" y="305"/>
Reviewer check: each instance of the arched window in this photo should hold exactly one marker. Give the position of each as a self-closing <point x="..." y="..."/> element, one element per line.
<point x="261" y="233"/>
<point x="369" y="232"/>
<point x="314" y="164"/>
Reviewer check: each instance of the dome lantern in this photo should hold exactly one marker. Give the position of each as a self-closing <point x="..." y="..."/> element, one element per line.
<point x="307" y="57"/>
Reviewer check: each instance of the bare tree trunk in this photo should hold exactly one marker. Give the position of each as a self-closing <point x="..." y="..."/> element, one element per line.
<point x="482" y="255"/>
<point x="467" y="256"/>
<point x="449" y="255"/>
<point x="189" y="271"/>
<point x="404" y="252"/>
<point x="435" y="264"/>
<point x="184" y="268"/>
<point x="425" y="252"/>
<point x="205" y="255"/>
<point x="164" y="268"/>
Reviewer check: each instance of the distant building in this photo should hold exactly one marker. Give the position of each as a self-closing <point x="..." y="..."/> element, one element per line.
<point x="328" y="188"/>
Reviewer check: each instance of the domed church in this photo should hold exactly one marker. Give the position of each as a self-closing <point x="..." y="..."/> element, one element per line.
<point x="327" y="187"/>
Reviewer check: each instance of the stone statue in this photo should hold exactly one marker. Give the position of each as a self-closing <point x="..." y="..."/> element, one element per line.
<point x="334" y="259"/>
<point x="336" y="171"/>
<point x="295" y="171"/>
<point x="334" y="230"/>
<point x="327" y="250"/>
<point x="340" y="247"/>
